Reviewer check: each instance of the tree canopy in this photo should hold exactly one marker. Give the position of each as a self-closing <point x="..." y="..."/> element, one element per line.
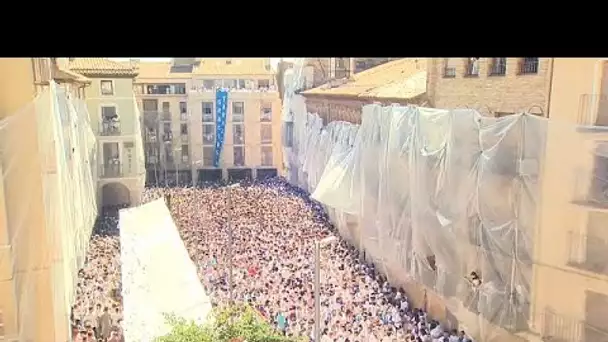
<point x="233" y="324"/>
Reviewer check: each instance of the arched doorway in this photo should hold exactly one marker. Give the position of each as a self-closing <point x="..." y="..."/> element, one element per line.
<point x="115" y="194"/>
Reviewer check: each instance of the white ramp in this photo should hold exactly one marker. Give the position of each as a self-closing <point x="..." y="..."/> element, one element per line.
<point x="158" y="276"/>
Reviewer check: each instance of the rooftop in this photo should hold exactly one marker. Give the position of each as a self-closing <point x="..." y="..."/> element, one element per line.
<point x="101" y="67"/>
<point x="404" y="78"/>
<point x="206" y="67"/>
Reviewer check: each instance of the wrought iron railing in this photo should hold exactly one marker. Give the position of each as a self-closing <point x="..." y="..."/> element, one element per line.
<point x="110" y="128"/>
<point x="498" y="67"/>
<point x="449" y="72"/>
<point x="528" y="66"/>
<point x="111" y="170"/>
<point x="593" y="110"/>
<point x="588" y="252"/>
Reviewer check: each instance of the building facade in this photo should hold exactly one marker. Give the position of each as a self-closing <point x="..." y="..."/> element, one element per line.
<point x="571" y="243"/>
<point x="401" y="81"/>
<point x="115" y="118"/>
<point x="47" y="208"/>
<point x="494" y="86"/>
<point x="178" y="99"/>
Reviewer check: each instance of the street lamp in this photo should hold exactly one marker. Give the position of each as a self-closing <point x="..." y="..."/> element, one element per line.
<point x="318" y="244"/>
<point x="230" y="241"/>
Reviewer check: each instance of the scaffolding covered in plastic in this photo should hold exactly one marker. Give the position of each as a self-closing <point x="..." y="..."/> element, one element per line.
<point x="48" y="152"/>
<point x="447" y="203"/>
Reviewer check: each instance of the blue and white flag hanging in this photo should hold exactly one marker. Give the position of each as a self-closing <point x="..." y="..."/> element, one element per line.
<point x="221" y="105"/>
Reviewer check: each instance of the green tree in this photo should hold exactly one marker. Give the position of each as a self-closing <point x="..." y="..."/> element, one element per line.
<point x="234" y="324"/>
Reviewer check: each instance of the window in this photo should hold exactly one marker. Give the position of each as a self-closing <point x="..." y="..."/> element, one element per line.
<point x="263" y="83"/>
<point x="238" y="111"/>
<point x="208" y="155"/>
<point x="229" y="83"/>
<point x="498" y="66"/>
<point x="228" y="62"/>
<point x="266" y="113"/>
<point x="528" y="66"/>
<point x="266" y="153"/>
<point x="449" y="68"/>
<point x="238" y="134"/>
<point x="239" y="155"/>
<point x="167" y="127"/>
<point x="208" y="84"/>
<point x="185" y="151"/>
<point x="184" y="129"/>
<point x="108" y="112"/>
<point x="207" y="111"/>
<point x="208" y="134"/>
<point x="107" y="87"/>
<point x="150" y="105"/>
<point x="339" y="63"/>
<point x="472" y="69"/>
<point x="241" y="84"/>
<point x="183" y="107"/>
<point x="288" y="134"/>
<point x="266" y="134"/>
<point x="166" y="107"/>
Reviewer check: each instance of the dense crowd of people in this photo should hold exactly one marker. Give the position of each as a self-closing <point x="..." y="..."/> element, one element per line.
<point x="273" y="228"/>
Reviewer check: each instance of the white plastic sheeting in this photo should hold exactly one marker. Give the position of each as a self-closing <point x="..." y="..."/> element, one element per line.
<point x="410" y="183"/>
<point x="48" y="151"/>
<point x="158" y="277"/>
<point x="430" y="195"/>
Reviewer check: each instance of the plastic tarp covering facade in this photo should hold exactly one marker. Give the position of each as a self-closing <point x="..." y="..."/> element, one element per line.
<point x="431" y="195"/>
<point x="158" y="277"/>
<point x="49" y="192"/>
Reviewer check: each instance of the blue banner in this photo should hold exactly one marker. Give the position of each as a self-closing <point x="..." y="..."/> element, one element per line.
<point x="221" y="105"/>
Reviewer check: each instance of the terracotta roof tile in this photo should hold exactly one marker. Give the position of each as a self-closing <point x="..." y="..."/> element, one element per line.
<point x="160" y="70"/>
<point x="234" y="66"/>
<point x="101" y="67"/>
<point x="403" y="78"/>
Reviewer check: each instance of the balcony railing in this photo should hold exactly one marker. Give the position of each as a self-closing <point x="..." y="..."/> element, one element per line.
<point x="498" y="67"/>
<point x="590" y="190"/>
<point x="528" y="66"/>
<point x="449" y="72"/>
<point x="184" y="138"/>
<point x="557" y="328"/>
<point x="110" y="128"/>
<point x="111" y="170"/>
<point x="472" y="69"/>
<point x="593" y="111"/>
<point x="588" y="252"/>
<point x="183" y="116"/>
<point x="167" y="137"/>
<point x="201" y="89"/>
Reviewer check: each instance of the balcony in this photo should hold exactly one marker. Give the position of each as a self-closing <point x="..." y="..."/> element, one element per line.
<point x="593" y="113"/>
<point x="528" y="66"/>
<point x="587" y="252"/>
<point x="554" y="327"/>
<point x="162" y="89"/>
<point x="472" y="68"/>
<point x="498" y="67"/>
<point x="167" y="137"/>
<point x="110" y="128"/>
<point x="183" y="117"/>
<point x="591" y="191"/>
<point x="150" y="137"/>
<point x="111" y="170"/>
<point x="449" y="72"/>
<point x="184" y="138"/>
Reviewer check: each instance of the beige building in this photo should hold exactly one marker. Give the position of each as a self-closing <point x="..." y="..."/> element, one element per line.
<point x="178" y="102"/>
<point x="115" y="118"/>
<point x="494" y="86"/>
<point x="47" y="201"/>
<point x="401" y="81"/>
<point x="566" y="273"/>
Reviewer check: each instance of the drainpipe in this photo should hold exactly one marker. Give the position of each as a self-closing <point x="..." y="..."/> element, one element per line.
<point x="548" y="106"/>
